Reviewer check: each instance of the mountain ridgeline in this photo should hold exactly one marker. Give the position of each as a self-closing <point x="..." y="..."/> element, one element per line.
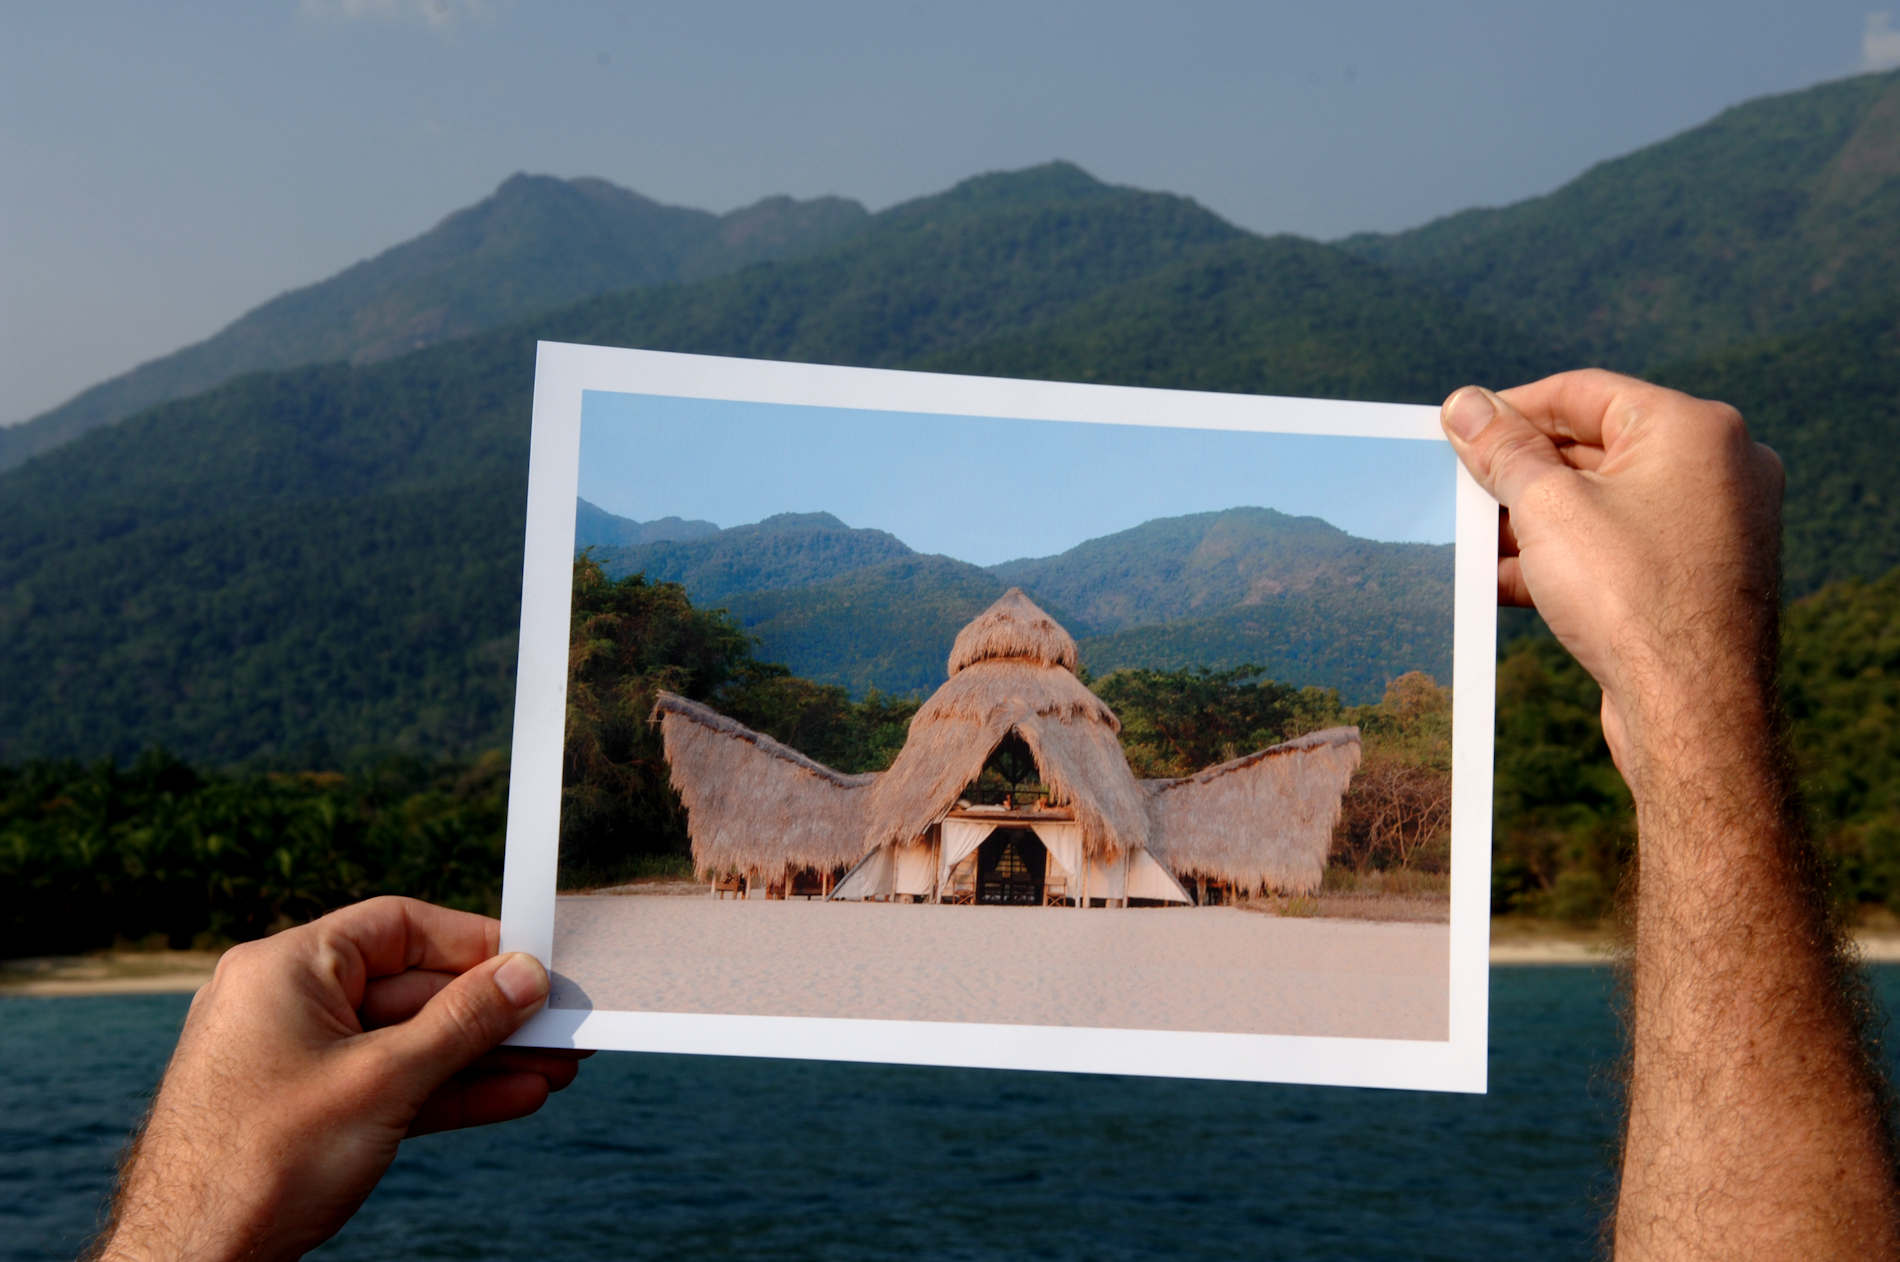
<point x="302" y="539"/>
<point x="536" y="244"/>
<point x="1311" y="604"/>
<point x="1775" y="217"/>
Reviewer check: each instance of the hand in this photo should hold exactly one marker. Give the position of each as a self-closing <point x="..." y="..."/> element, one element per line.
<point x="304" y="1062"/>
<point x="1644" y="525"/>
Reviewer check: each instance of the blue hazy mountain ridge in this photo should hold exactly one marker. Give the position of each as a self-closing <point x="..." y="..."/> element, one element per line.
<point x="595" y="527"/>
<point x="1295" y="595"/>
<point x="1773" y="218"/>
<point x="786" y="550"/>
<point x="536" y="244"/>
<point x="330" y="556"/>
<point x="994" y="254"/>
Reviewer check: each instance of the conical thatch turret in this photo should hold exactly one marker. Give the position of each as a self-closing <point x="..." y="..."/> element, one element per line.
<point x="1013" y="670"/>
<point x="1014" y="628"/>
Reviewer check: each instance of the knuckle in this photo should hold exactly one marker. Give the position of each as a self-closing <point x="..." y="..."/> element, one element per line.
<point x="239" y="962"/>
<point x="1726" y="420"/>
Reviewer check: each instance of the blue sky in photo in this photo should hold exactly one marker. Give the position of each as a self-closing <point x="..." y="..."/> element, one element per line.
<point x="984" y="490"/>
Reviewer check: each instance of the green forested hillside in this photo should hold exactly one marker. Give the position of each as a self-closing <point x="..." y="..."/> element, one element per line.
<point x="786" y="550"/>
<point x="1828" y="402"/>
<point x="1774" y="217"/>
<point x="886" y="627"/>
<point x="1338" y="634"/>
<point x="1179" y="567"/>
<point x="535" y="244"/>
<point x="1564" y="827"/>
<point x="1274" y="316"/>
<point x="1311" y="604"/>
<point x="330" y="556"/>
<point x="1841" y="683"/>
<point x="149" y="565"/>
<point x="297" y="565"/>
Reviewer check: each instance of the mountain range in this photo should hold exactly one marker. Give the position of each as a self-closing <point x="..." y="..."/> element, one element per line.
<point x="1247" y="586"/>
<point x="1774" y="217"/>
<point x="302" y="538"/>
<point x="535" y="245"/>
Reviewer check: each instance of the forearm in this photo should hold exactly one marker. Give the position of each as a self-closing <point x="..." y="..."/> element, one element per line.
<point x="1756" y="1128"/>
<point x="179" y="1199"/>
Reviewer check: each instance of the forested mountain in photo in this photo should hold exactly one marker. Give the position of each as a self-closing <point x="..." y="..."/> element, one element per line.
<point x="1308" y="603"/>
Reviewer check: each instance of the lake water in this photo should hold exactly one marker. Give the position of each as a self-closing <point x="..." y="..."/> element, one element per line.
<point x="685" y="1157"/>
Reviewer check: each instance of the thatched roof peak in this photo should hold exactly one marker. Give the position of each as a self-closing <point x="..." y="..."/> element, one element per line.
<point x="1013" y="629"/>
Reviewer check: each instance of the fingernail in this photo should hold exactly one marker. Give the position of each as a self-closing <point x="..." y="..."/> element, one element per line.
<point x="1468" y="412"/>
<point x="522" y="979"/>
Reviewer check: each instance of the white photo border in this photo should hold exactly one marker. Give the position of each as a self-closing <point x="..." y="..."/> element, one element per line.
<point x="565" y="371"/>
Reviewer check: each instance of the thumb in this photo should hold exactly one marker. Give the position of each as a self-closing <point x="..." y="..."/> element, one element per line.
<point x="464" y="1020"/>
<point x="1504" y="452"/>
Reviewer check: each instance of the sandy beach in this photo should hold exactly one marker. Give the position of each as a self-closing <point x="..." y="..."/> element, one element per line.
<point x="108" y="973"/>
<point x="1205" y="968"/>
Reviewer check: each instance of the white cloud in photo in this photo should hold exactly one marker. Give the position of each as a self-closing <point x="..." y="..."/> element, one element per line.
<point x="1879" y="43"/>
<point x="436" y="14"/>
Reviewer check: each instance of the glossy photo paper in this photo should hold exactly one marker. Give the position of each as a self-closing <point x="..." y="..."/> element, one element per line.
<point x="1094" y="728"/>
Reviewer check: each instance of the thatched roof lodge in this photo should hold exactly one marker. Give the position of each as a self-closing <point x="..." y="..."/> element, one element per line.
<point x="1093" y="834"/>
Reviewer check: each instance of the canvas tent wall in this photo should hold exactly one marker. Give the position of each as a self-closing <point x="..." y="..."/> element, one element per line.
<point x="923" y="869"/>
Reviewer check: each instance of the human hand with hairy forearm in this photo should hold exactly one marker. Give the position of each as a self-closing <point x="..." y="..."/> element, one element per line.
<point x="1644" y="525"/>
<point x="307" y="1059"/>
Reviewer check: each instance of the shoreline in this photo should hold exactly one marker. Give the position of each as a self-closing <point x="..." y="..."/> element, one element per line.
<point x="105" y="973"/>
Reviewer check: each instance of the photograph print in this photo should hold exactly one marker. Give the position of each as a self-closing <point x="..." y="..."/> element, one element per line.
<point x="968" y="721"/>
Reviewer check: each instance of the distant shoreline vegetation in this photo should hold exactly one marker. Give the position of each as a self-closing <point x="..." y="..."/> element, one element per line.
<point x="163" y="853"/>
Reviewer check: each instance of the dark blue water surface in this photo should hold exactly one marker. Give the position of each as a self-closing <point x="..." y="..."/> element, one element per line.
<point x="681" y="1157"/>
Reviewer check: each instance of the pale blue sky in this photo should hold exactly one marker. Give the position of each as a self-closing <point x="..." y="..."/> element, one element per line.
<point x="985" y="490"/>
<point x="169" y="166"/>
